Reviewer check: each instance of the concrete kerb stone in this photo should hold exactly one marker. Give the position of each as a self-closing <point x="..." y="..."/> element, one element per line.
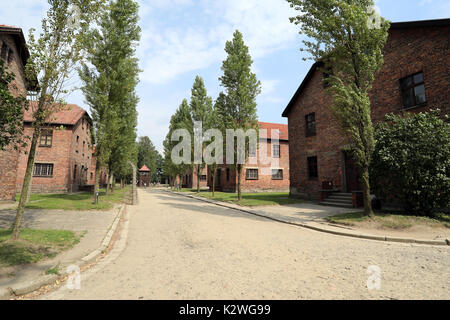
<point x="30" y="286"/>
<point x="33" y="285"/>
<point x="5" y="294"/>
<point x="319" y="229"/>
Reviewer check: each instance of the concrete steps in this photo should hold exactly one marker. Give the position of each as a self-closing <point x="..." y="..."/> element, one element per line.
<point x="339" y="199"/>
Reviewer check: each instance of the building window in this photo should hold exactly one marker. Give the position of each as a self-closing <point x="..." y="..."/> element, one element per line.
<point x="413" y="90"/>
<point x="74" y="172"/>
<point x="276" y="150"/>
<point x="251" y="174"/>
<point x="46" y="138"/>
<point x="312" y="168"/>
<point x="92" y="176"/>
<point x="43" y="170"/>
<point x="277" y="174"/>
<point x="203" y="177"/>
<point x="228" y="174"/>
<point x="78" y="138"/>
<point x="310" y="124"/>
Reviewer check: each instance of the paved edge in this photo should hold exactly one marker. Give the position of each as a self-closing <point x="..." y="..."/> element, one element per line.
<point x="26" y="287"/>
<point x="445" y="242"/>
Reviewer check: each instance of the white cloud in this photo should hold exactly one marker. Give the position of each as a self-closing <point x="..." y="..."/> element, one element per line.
<point x="24" y="14"/>
<point x="268" y="86"/>
<point x="172" y="51"/>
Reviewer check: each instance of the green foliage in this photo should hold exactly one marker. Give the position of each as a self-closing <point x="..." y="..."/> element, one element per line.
<point x="53" y="58"/>
<point x="55" y="55"/>
<point x="341" y="34"/>
<point x="11" y="110"/>
<point x="200" y="109"/>
<point x="411" y="161"/>
<point x="254" y="199"/>
<point x="109" y="84"/>
<point x="236" y="106"/>
<point x="80" y="201"/>
<point x="34" y="245"/>
<point x="148" y="155"/>
<point x="181" y="119"/>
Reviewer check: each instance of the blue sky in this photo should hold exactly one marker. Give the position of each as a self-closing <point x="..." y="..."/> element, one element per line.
<point x="185" y="38"/>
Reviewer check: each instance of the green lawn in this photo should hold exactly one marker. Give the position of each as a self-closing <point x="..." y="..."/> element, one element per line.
<point x="77" y="201"/>
<point x="34" y="245"/>
<point x="253" y="199"/>
<point x="389" y="220"/>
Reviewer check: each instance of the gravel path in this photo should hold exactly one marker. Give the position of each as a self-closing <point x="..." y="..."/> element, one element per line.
<point x="172" y="247"/>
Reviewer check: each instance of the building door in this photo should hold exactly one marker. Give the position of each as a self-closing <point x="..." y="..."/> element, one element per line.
<point x="352" y="176"/>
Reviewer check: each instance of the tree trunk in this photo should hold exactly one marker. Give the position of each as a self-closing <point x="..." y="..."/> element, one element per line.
<point x="107" y="183"/>
<point x="97" y="176"/>
<point x="198" y="178"/>
<point x="121" y="183"/>
<point x="239" y="169"/>
<point x="26" y="185"/>
<point x="113" y="182"/>
<point x="29" y="193"/>
<point x="214" y="182"/>
<point x="366" y="192"/>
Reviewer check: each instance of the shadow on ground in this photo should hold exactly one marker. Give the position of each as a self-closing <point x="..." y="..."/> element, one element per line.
<point x="185" y="203"/>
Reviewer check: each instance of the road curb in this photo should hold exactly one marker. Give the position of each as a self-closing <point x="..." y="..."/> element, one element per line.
<point x="445" y="242"/>
<point x="27" y="287"/>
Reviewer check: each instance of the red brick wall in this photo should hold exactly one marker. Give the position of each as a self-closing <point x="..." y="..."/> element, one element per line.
<point x="325" y="145"/>
<point x="63" y="155"/>
<point x="407" y="51"/>
<point x="189" y="179"/>
<point x="58" y="154"/>
<point x="8" y="171"/>
<point x="264" y="181"/>
<point x="9" y="157"/>
<point x="81" y="157"/>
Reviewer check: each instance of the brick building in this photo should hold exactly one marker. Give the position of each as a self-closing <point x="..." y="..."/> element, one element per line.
<point x="14" y="53"/>
<point x="271" y="173"/>
<point x="64" y="155"/>
<point x="189" y="179"/>
<point x="415" y="77"/>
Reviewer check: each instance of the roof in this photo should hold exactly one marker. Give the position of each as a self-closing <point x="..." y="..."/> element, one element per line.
<point x="70" y="114"/>
<point x="144" y="168"/>
<point x="17" y="33"/>
<point x="394" y="25"/>
<point x="282" y="130"/>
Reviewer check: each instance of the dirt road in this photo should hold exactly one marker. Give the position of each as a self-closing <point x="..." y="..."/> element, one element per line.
<point x="172" y="247"/>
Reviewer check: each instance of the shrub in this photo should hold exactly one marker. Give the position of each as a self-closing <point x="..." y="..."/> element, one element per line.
<point x="411" y="161"/>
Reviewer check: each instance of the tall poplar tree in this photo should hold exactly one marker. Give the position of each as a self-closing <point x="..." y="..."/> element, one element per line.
<point x="53" y="57"/>
<point x="181" y="119"/>
<point x="348" y="37"/>
<point x="238" y="109"/>
<point x="109" y="81"/>
<point x="200" y="109"/>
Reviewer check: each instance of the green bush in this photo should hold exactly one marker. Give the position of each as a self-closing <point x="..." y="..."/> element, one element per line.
<point x="411" y="161"/>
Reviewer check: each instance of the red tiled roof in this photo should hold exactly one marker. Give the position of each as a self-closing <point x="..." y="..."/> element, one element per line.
<point x="144" y="168"/>
<point x="282" y="130"/>
<point x="17" y="34"/>
<point x="9" y="27"/>
<point x="70" y="114"/>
